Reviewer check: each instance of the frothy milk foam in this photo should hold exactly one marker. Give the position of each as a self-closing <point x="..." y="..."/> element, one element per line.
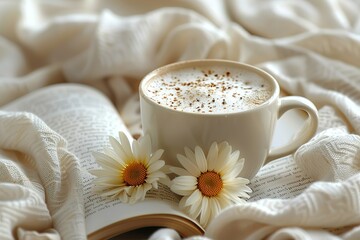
<point x="209" y="90"/>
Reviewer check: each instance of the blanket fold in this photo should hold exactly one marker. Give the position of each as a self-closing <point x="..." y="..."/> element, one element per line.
<point x="311" y="47"/>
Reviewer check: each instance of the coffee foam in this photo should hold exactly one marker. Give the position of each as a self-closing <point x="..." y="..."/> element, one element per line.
<point x="209" y="90"/>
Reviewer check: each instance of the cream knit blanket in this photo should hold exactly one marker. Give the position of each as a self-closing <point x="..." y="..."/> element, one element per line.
<point x="311" y="47"/>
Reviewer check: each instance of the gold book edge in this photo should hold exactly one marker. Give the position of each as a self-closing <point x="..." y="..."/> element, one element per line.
<point x="185" y="227"/>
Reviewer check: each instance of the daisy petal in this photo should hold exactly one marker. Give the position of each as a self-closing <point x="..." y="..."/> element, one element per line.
<point x="105" y="161"/>
<point x="155" y="166"/>
<point x="234" y="157"/>
<point x="141" y="192"/>
<point x="239" y="181"/>
<point x="244" y="189"/>
<point x="233" y="172"/>
<point x="104" y="173"/>
<point x="155" y="176"/>
<point x="119" y="149"/>
<point x="166" y="169"/>
<point x="111" y="180"/>
<point x="195" y="209"/>
<point x="243" y="195"/>
<point x="223" y="155"/>
<point x="109" y="184"/>
<point x="233" y="187"/>
<point x="145" y="147"/>
<point x="135" y="196"/>
<point x="179" y="171"/>
<point x="156" y="156"/>
<point x="185" y="180"/>
<point x="230" y="165"/>
<point x="111" y="153"/>
<point x="123" y="197"/>
<point x="224" y="202"/>
<point x="155" y="184"/>
<point x="182" y="202"/>
<point x="188" y="165"/>
<point x="147" y="187"/>
<point x="215" y="206"/>
<point x="232" y="197"/>
<point x="195" y="197"/>
<point x="212" y="156"/>
<point x="111" y="192"/>
<point x="189" y="154"/>
<point x="181" y="192"/>
<point x="205" y="213"/>
<point x="200" y="159"/>
<point x="125" y="144"/>
<point x="239" y="190"/>
<point x="129" y="190"/>
<point x="165" y="181"/>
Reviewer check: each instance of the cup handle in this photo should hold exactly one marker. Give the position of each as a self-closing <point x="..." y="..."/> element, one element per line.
<point x="294" y="102"/>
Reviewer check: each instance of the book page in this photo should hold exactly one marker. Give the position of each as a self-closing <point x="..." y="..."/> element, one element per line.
<point x="281" y="178"/>
<point x="86" y="118"/>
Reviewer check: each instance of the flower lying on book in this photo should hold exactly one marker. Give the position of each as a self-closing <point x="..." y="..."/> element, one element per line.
<point x="209" y="183"/>
<point x="128" y="173"/>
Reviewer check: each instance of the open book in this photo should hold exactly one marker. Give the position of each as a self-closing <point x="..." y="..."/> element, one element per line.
<point x="86" y="118"/>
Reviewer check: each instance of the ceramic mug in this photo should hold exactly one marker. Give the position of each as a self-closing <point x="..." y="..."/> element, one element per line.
<point x="249" y="131"/>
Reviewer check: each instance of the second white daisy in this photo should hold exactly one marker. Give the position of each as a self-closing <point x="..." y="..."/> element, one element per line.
<point x="209" y="183"/>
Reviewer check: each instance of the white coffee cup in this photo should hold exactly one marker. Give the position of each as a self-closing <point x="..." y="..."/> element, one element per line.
<point x="250" y="130"/>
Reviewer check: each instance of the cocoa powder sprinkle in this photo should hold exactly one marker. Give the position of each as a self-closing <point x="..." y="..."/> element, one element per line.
<point x="208" y="90"/>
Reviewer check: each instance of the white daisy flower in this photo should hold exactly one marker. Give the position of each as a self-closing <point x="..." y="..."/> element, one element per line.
<point x="128" y="173"/>
<point x="209" y="183"/>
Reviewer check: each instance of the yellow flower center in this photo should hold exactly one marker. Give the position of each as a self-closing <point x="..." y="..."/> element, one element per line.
<point x="134" y="174"/>
<point x="210" y="183"/>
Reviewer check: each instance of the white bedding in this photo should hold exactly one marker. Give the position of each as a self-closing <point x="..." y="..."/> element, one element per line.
<point x="311" y="47"/>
